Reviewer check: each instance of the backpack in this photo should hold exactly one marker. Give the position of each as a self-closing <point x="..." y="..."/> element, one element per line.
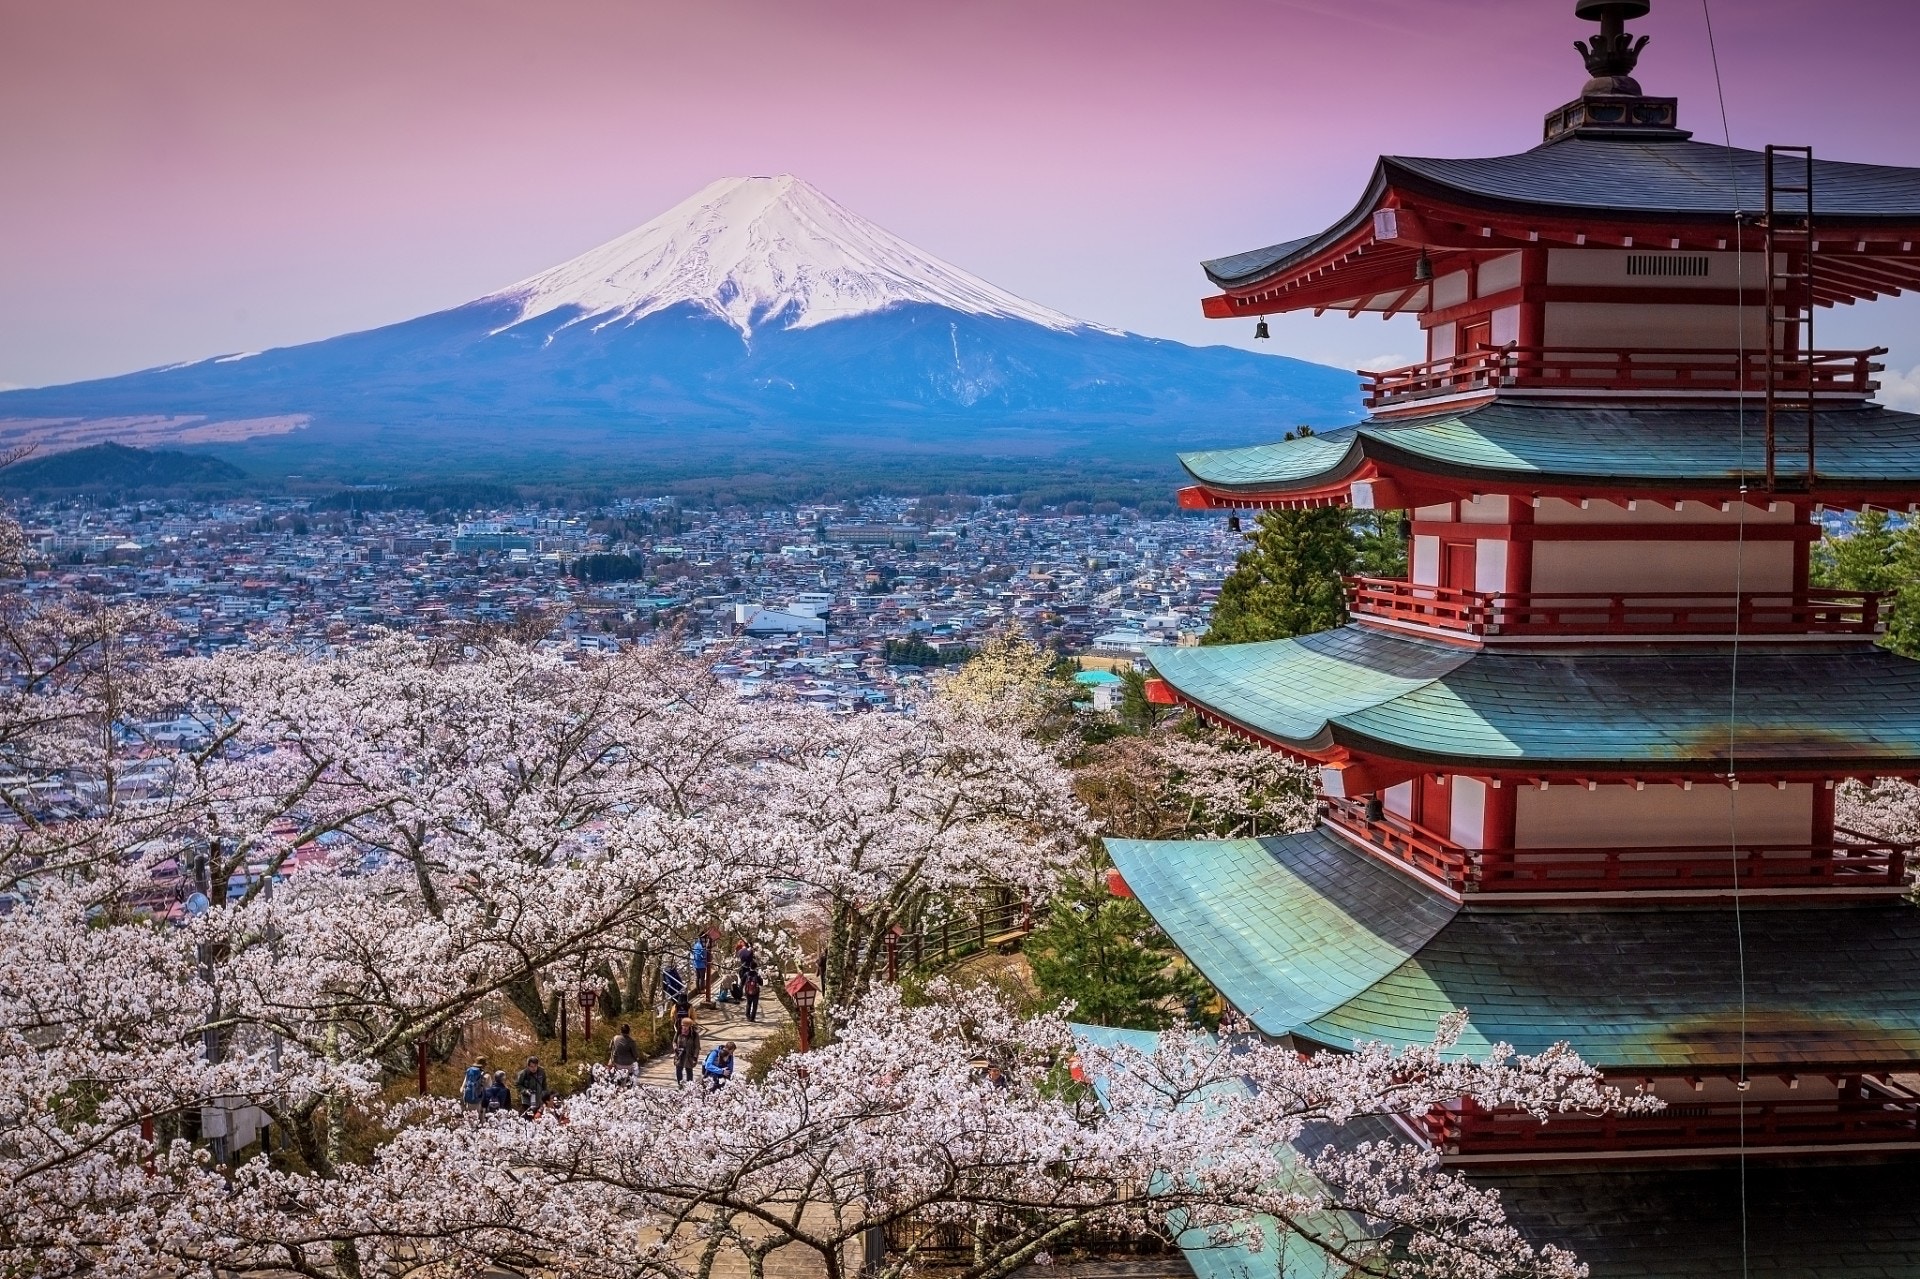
<point x="751" y="986"/>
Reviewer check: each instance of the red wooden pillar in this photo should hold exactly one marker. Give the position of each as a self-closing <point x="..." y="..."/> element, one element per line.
<point x="1519" y="546"/>
<point x="1532" y="330"/>
<point x="420" y="1064"/>
<point x="563" y="1030"/>
<point x="1498" y="823"/>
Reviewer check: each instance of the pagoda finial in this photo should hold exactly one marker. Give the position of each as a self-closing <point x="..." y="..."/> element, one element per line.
<point x="1611" y="55"/>
<point x="1611" y="104"/>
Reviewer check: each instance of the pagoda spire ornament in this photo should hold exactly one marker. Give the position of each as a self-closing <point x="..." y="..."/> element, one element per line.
<point x="1611" y="103"/>
<point x="1612" y="54"/>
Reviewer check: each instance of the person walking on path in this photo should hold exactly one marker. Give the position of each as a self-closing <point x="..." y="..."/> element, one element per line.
<point x="686" y="1052"/>
<point x="623" y="1057"/>
<point x="496" y="1097"/>
<point x="719" y="1066"/>
<point x="532" y="1083"/>
<point x="473" y="1085"/>
<point x="750" y="993"/>
<point x="701" y="958"/>
<point x="673" y="986"/>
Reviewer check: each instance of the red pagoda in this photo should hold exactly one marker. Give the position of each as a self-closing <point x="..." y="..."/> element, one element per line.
<point x="1578" y="766"/>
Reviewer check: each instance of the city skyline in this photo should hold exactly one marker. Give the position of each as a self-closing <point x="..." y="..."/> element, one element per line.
<point x="215" y="177"/>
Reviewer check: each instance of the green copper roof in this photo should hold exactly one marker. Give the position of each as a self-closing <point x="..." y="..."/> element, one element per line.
<point x="1518" y="441"/>
<point x="1311" y="938"/>
<point x="1347" y="922"/>
<point x="1503" y="707"/>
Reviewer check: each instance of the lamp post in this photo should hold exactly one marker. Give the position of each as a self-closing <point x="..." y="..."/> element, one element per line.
<point x="803" y="991"/>
<point x="588" y="996"/>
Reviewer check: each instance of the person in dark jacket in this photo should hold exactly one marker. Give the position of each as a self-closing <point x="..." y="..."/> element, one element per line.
<point x="750" y="993"/>
<point x="623" y="1056"/>
<point x="532" y="1083"/>
<point x="686" y="1051"/>
<point x="496" y="1097"/>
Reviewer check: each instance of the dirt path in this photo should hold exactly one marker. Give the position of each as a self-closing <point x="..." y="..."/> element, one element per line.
<point x="719" y="1024"/>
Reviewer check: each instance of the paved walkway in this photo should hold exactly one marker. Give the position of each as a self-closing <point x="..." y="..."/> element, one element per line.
<point x="718" y="1024"/>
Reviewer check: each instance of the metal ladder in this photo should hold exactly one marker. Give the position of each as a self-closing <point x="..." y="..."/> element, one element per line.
<point x="1791" y="462"/>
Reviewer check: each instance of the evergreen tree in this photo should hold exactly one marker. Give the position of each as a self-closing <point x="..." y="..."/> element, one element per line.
<point x="1863" y="560"/>
<point x="1290" y="579"/>
<point x="1903" y="579"/>
<point x="1877" y="556"/>
<point x="1135" y="712"/>
<point x="1106" y="955"/>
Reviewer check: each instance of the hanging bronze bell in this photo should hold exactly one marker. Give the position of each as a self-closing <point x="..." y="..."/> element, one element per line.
<point x="1260" y="332"/>
<point x="1423" y="267"/>
<point x="1233" y="523"/>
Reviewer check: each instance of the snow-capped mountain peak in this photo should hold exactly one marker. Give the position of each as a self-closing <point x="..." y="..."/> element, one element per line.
<point x="761" y="250"/>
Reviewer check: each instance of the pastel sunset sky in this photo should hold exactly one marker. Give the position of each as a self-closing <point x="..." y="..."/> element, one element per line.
<point x="201" y="176"/>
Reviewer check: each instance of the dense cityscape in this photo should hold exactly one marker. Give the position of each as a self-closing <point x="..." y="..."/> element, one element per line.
<point x="847" y="605"/>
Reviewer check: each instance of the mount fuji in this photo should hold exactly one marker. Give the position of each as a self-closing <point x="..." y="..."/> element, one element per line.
<point x="756" y="316"/>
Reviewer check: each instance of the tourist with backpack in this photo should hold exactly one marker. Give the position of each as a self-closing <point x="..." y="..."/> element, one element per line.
<point x="473" y="1085"/>
<point x="719" y="1066"/>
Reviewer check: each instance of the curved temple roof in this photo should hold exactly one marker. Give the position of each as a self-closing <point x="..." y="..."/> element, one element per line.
<point x="1311" y="938"/>
<point x="1515" y="709"/>
<point x="1614" y="178"/>
<point x="1519" y="443"/>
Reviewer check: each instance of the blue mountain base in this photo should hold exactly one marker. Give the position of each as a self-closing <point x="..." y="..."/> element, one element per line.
<point x="471" y="391"/>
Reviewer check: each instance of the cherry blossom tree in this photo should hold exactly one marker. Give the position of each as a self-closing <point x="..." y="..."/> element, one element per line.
<point x="387" y="843"/>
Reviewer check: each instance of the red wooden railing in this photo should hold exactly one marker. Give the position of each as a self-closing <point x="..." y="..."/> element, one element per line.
<point x="1854" y="861"/>
<point x="1683" y="371"/>
<point x="1882" y="1121"/>
<point x="1482" y="613"/>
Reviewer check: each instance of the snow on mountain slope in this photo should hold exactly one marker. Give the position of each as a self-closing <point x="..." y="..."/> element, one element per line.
<point x="754" y="251"/>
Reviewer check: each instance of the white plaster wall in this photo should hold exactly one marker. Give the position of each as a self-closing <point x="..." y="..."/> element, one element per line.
<point x="1658" y="567"/>
<point x="1490" y="564"/>
<point x="1495" y="508"/>
<point x="1443" y="512"/>
<point x="1440" y="342"/>
<point x="1638" y="326"/>
<point x="1425" y="561"/>
<point x="1468" y="812"/>
<point x="1450" y="290"/>
<point x="1506" y="326"/>
<point x="1662" y="815"/>
<point x="1498" y="274"/>
<point x="1609" y="267"/>
<point x="1558" y="510"/>
<point x="1399" y="800"/>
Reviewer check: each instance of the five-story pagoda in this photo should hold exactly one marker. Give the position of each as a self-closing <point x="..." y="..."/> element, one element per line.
<point x="1578" y="767"/>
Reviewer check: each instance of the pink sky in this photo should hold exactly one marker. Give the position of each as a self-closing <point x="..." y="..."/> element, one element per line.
<point x="204" y="176"/>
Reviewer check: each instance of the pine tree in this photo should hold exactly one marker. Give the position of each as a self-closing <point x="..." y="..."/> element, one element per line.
<point x="1863" y="560"/>
<point x="1903" y="579"/>
<point x="1290" y="579"/>
<point x="1106" y="955"/>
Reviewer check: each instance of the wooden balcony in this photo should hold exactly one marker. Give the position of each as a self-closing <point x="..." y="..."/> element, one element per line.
<point x="1585" y="370"/>
<point x="1886" y="1118"/>
<point x="1853" y="860"/>
<point x="1566" y="613"/>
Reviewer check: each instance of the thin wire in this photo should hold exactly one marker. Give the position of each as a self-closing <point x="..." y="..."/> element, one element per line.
<point x="1739" y="566"/>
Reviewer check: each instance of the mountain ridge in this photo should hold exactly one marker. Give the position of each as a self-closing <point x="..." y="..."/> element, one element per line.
<point x="758" y="313"/>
